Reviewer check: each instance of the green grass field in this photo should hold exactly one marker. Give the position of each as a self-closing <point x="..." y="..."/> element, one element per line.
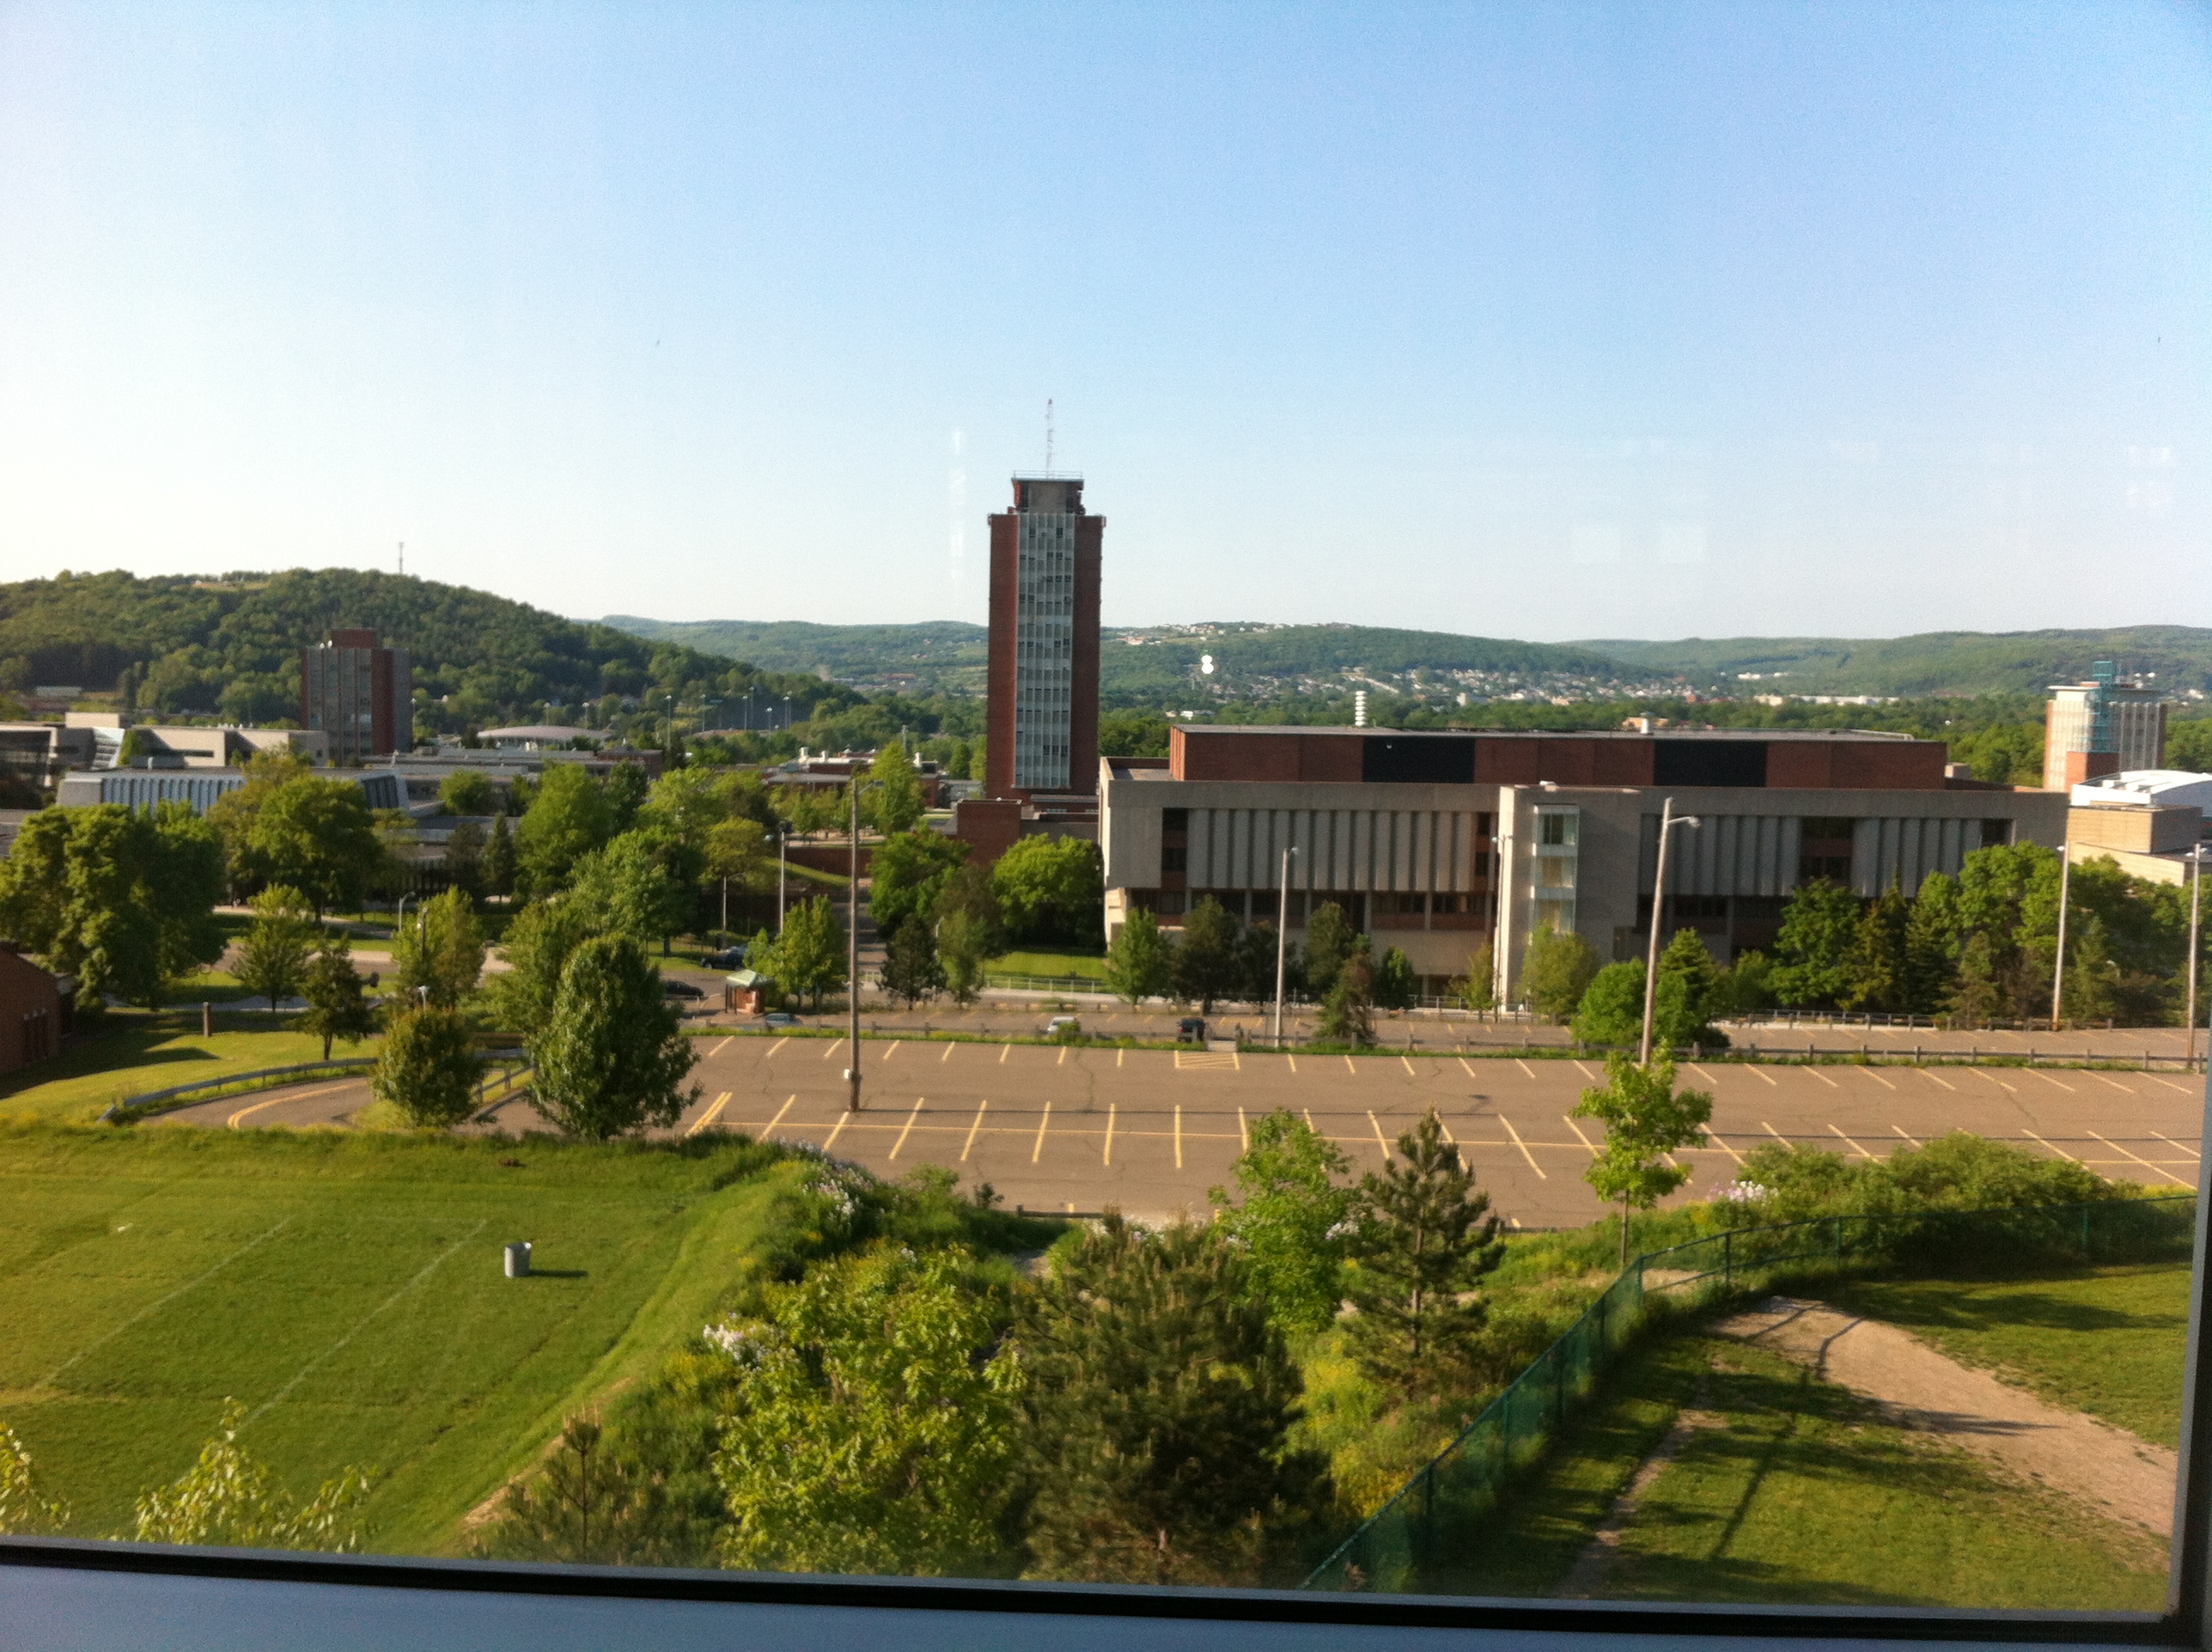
<point x="2110" y="1340"/>
<point x="1089" y="965"/>
<point x="349" y="1289"/>
<point x="1797" y="1492"/>
<point x="135" y="1053"/>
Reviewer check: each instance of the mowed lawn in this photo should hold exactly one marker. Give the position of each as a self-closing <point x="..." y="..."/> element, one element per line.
<point x="349" y="1289"/>
<point x="2111" y="1341"/>
<point x="136" y="1052"/>
<point x="1791" y="1490"/>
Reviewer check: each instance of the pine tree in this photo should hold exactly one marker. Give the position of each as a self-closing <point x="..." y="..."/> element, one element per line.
<point x="1347" y="1014"/>
<point x="2092" y="980"/>
<point x="1206" y="962"/>
<point x="1880" y="962"/>
<point x="1424" y="1239"/>
<point x="1329" y="941"/>
<point x="1160" y="1404"/>
<point x="1682" y="1009"/>
<point x="1978" y="995"/>
<point x="911" y="970"/>
<point x="1138" y="960"/>
<point x="497" y="868"/>
<point x="1931" y="946"/>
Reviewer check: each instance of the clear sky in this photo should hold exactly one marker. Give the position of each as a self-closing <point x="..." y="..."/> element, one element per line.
<point x="1567" y="321"/>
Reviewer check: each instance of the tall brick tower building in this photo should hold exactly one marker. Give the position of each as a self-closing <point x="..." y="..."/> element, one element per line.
<point x="359" y="694"/>
<point x="1044" y="642"/>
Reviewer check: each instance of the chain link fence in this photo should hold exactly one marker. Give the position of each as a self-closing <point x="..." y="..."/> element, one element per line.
<point x="1419" y="1531"/>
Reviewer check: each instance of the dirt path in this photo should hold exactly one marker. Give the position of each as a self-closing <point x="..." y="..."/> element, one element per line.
<point x="1584" y="1582"/>
<point x="2123" y="1475"/>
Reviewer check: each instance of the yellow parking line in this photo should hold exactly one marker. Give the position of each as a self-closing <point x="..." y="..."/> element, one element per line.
<point x="1004" y="1053"/>
<point x="1999" y="1082"/>
<point x="1878" y="1079"/>
<point x="2048" y="1080"/>
<point x="1309" y="1123"/>
<point x="837" y="1130"/>
<point x="723" y="1045"/>
<point x="1063" y="1057"/>
<point x="1111" y="1108"/>
<point x="2061" y="1151"/>
<point x="1349" y="1068"/>
<point x="947" y="1056"/>
<point x="774" y="1047"/>
<point x="1853" y="1145"/>
<point x="1585" y="1072"/>
<point x="1243" y="1136"/>
<point x="1294" y="1063"/>
<point x="1772" y="1131"/>
<point x="910" y="1118"/>
<point x="1178" y="1113"/>
<point x="723" y="1101"/>
<point x="1932" y="1078"/>
<point x="1524" y="1146"/>
<point x="1037" y="1151"/>
<point x="893" y="1050"/>
<point x="274" y="1100"/>
<point x="1118" y="1055"/>
<point x="1379" y="1142"/>
<point x="2169" y="1084"/>
<point x="2115" y="1084"/>
<point x="1900" y="1131"/>
<point x="2184" y="1146"/>
<point x="981" y="1107"/>
<point x="1236" y="1060"/>
<point x="1703" y="1074"/>
<point x="1764" y="1074"/>
<point x="1470" y="1071"/>
<point x="2145" y="1162"/>
<point x="1408" y="1061"/>
<point x="835" y="1044"/>
<point x="1712" y="1140"/>
<point x="1824" y="1077"/>
<point x="1577" y="1129"/>
<point x="1524" y="1067"/>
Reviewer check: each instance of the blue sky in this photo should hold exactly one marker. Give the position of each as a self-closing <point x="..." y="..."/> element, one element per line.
<point x="1552" y="322"/>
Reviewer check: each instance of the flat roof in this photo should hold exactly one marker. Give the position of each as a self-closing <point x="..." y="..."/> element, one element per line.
<point x="1550" y="733"/>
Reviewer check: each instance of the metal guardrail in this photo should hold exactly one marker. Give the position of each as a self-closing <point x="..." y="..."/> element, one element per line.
<point x="237" y="1084"/>
<point x="1421" y="1529"/>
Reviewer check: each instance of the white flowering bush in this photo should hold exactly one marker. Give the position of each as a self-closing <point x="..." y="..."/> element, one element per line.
<point x="25" y="1511"/>
<point x="230" y="1499"/>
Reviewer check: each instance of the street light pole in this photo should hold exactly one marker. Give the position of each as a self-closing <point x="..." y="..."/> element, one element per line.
<point x="1282" y="943"/>
<point x="853" y="956"/>
<point x="782" y="843"/>
<point x="2195" y="894"/>
<point x="2058" y="968"/>
<point x="1667" y="820"/>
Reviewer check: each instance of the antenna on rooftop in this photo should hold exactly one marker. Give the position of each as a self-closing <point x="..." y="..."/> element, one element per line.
<point x="1048" y="435"/>
<point x="403" y="558"/>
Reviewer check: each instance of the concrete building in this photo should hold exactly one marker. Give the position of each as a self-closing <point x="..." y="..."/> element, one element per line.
<point x="2103" y="726"/>
<point x="142" y="788"/>
<point x="359" y="693"/>
<point x="1043" y="660"/>
<point x="2148" y="821"/>
<point x="34" y="1011"/>
<point x="1442" y="844"/>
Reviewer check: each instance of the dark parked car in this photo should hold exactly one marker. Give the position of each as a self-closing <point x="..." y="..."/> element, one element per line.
<point x="680" y="989"/>
<point x="779" y="1019"/>
<point x="728" y="958"/>
<point x="1191" y="1029"/>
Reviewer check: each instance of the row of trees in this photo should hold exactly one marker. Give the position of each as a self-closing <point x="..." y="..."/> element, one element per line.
<point x="1214" y="957"/>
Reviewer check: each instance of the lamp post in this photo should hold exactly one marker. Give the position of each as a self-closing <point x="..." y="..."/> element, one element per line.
<point x="782" y="842"/>
<point x="1282" y="943"/>
<point x="1668" y="820"/>
<point x="2195" y="893"/>
<point x="853" y="956"/>
<point x="2058" y="967"/>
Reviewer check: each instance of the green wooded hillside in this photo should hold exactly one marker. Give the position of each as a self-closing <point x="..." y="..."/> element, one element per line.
<point x="1932" y="662"/>
<point x="184" y="644"/>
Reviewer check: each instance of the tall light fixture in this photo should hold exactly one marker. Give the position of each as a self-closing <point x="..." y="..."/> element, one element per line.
<point x="2195" y="894"/>
<point x="1282" y="943"/>
<point x="2058" y="968"/>
<point x="853" y="954"/>
<point x="1668" y="820"/>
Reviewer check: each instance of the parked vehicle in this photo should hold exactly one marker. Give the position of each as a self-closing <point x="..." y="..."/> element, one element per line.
<point x="1062" y="1023"/>
<point x="680" y="989"/>
<point x="728" y="958"/>
<point x="779" y="1019"/>
<point x="1191" y="1029"/>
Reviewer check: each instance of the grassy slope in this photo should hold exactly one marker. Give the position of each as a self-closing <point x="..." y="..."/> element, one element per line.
<point x="1087" y="964"/>
<point x="349" y="1289"/>
<point x="1802" y="1495"/>
<point x="2110" y="1341"/>
<point x="137" y="1052"/>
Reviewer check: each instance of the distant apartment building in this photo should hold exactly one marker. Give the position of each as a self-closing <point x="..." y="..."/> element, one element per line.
<point x="2106" y="725"/>
<point x="1043" y="655"/>
<point x="1448" y="844"/>
<point x="359" y="694"/>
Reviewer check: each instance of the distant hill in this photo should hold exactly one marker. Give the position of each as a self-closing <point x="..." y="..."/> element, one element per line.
<point x="1933" y="662"/>
<point x="934" y="654"/>
<point x="186" y="644"/>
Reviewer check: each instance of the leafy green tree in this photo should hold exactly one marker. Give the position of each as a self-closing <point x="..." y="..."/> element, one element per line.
<point x="737" y="855"/>
<point x="1746" y="987"/>
<point x="337" y="1003"/>
<point x="234" y="813"/>
<point x="1255" y="964"/>
<point x="909" y="869"/>
<point x="1612" y="1010"/>
<point x="272" y="958"/>
<point x="2092" y="987"/>
<point x="808" y="958"/>
<point x="1931" y="943"/>
<point x="1689" y="996"/>
<point x="569" y="816"/>
<point x="1422" y="1241"/>
<point x="962" y="949"/>
<point x="1347" y="1014"/>
<point x="1395" y="984"/>
<point x="892" y="796"/>
<point x="875" y="1428"/>
<point x="1052" y="890"/>
<point x="123" y="901"/>
<point x="1881" y="959"/>
<point x="969" y="891"/>
<point x="614" y="1058"/>
<point x="1160" y="1404"/>
<point x="318" y="837"/>
<point x="438" y="957"/>
<point x="428" y="1067"/>
<point x="911" y="970"/>
<point x="26" y="1508"/>
<point x="536" y="947"/>
<point x="686" y="805"/>
<point x="1645" y="1120"/>
<point x="808" y="809"/>
<point x="1556" y="971"/>
<point x="500" y="865"/>
<point x="1292" y="1219"/>
<point x="230" y="1499"/>
<point x="1817" y="945"/>
<point x="1205" y="966"/>
<point x="464" y="859"/>
<point x="629" y="888"/>
<point x="1139" y="963"/>
<point x="627" y="786"/>
<point x="1330" y="940"/>
<point x="465" y="791"/>
<point x="1478" y="989"/>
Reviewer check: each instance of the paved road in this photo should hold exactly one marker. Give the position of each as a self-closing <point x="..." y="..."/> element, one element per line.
<point x="1152" y="1130"/>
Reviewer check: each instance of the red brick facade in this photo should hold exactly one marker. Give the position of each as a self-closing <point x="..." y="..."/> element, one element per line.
<point x="31" y="1013"/>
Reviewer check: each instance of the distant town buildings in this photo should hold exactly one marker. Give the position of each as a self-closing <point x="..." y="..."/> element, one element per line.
<point x="2103" y="726"/>
<point x="359" y="694"/>
<point x="1043" y="653"/>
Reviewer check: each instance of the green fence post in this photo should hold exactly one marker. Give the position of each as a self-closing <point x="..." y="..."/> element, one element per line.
<point x="1728" y="1259"/>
